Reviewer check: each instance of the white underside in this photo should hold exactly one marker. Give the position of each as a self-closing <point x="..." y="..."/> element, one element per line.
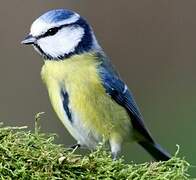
<point x="84" y="136"/>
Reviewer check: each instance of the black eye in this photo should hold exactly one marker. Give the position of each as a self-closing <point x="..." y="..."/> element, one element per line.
<point x="51" y="31"/>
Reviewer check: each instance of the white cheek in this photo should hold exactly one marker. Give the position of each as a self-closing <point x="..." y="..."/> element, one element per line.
<point x="63" y="42"/>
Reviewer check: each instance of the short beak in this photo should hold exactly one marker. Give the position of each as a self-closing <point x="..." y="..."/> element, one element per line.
<point x="29" y="40"/>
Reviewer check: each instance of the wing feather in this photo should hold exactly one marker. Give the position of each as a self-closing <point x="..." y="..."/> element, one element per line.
<point x="119" y="92"/>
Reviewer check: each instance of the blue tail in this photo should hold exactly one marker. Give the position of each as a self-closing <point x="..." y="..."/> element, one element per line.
<point x="155" y="150"/>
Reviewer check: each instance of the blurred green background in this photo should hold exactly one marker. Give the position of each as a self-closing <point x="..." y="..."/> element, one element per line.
<point x="153" y="45"/>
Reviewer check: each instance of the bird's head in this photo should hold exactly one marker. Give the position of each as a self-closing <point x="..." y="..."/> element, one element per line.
<point x="61" y="33"/>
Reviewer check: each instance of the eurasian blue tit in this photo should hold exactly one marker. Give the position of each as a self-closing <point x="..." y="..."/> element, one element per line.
<point x="86" y="92"/>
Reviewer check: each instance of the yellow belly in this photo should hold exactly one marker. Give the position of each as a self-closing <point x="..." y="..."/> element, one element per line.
<point x="95" y="114"/>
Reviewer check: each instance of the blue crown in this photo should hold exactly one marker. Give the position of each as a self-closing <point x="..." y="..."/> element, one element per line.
<point x="57" y="15"/>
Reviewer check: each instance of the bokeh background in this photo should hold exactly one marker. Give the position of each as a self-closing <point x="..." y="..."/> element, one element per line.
<point x="153" y="45"/>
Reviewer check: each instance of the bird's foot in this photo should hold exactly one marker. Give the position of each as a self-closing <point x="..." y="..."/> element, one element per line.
<point x="114" y="156"/>
<point x="75" y="146"/>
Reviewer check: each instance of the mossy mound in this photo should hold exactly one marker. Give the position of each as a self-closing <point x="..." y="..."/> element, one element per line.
<point x="27" y="155"/>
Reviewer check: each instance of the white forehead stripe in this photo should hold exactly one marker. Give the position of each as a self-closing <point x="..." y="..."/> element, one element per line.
<point x="40" y="26"/>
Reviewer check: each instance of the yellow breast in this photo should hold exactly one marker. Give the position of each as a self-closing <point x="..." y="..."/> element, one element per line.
<point x="96" y="111"/>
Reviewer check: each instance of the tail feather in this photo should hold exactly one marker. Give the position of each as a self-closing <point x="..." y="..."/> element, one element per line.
<point x="155" y="150"/>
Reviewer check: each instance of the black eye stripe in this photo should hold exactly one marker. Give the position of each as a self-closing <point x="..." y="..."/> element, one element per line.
<point x="53" y="31"/>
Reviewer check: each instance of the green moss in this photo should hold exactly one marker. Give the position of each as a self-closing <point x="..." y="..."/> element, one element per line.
<point x="27" y="155"/>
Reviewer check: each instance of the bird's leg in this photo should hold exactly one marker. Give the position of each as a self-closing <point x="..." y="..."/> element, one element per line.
<point x="114" y="156"/>
<point x="115" y="148"/>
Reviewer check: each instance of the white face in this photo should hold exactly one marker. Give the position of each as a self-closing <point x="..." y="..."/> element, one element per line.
<point x="64" y="41"/>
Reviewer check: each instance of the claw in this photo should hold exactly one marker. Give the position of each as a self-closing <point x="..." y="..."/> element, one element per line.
<point x="75" y="146"/>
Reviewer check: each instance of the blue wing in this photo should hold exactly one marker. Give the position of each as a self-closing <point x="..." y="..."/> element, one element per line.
<point x="119" y="92"/>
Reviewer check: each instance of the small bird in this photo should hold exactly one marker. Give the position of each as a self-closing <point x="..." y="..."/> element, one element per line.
<point x="86" y="92"/>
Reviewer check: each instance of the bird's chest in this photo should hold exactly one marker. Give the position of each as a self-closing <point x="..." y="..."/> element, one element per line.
<point x="78" y="78"/>
<point x="74" y="88"/>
